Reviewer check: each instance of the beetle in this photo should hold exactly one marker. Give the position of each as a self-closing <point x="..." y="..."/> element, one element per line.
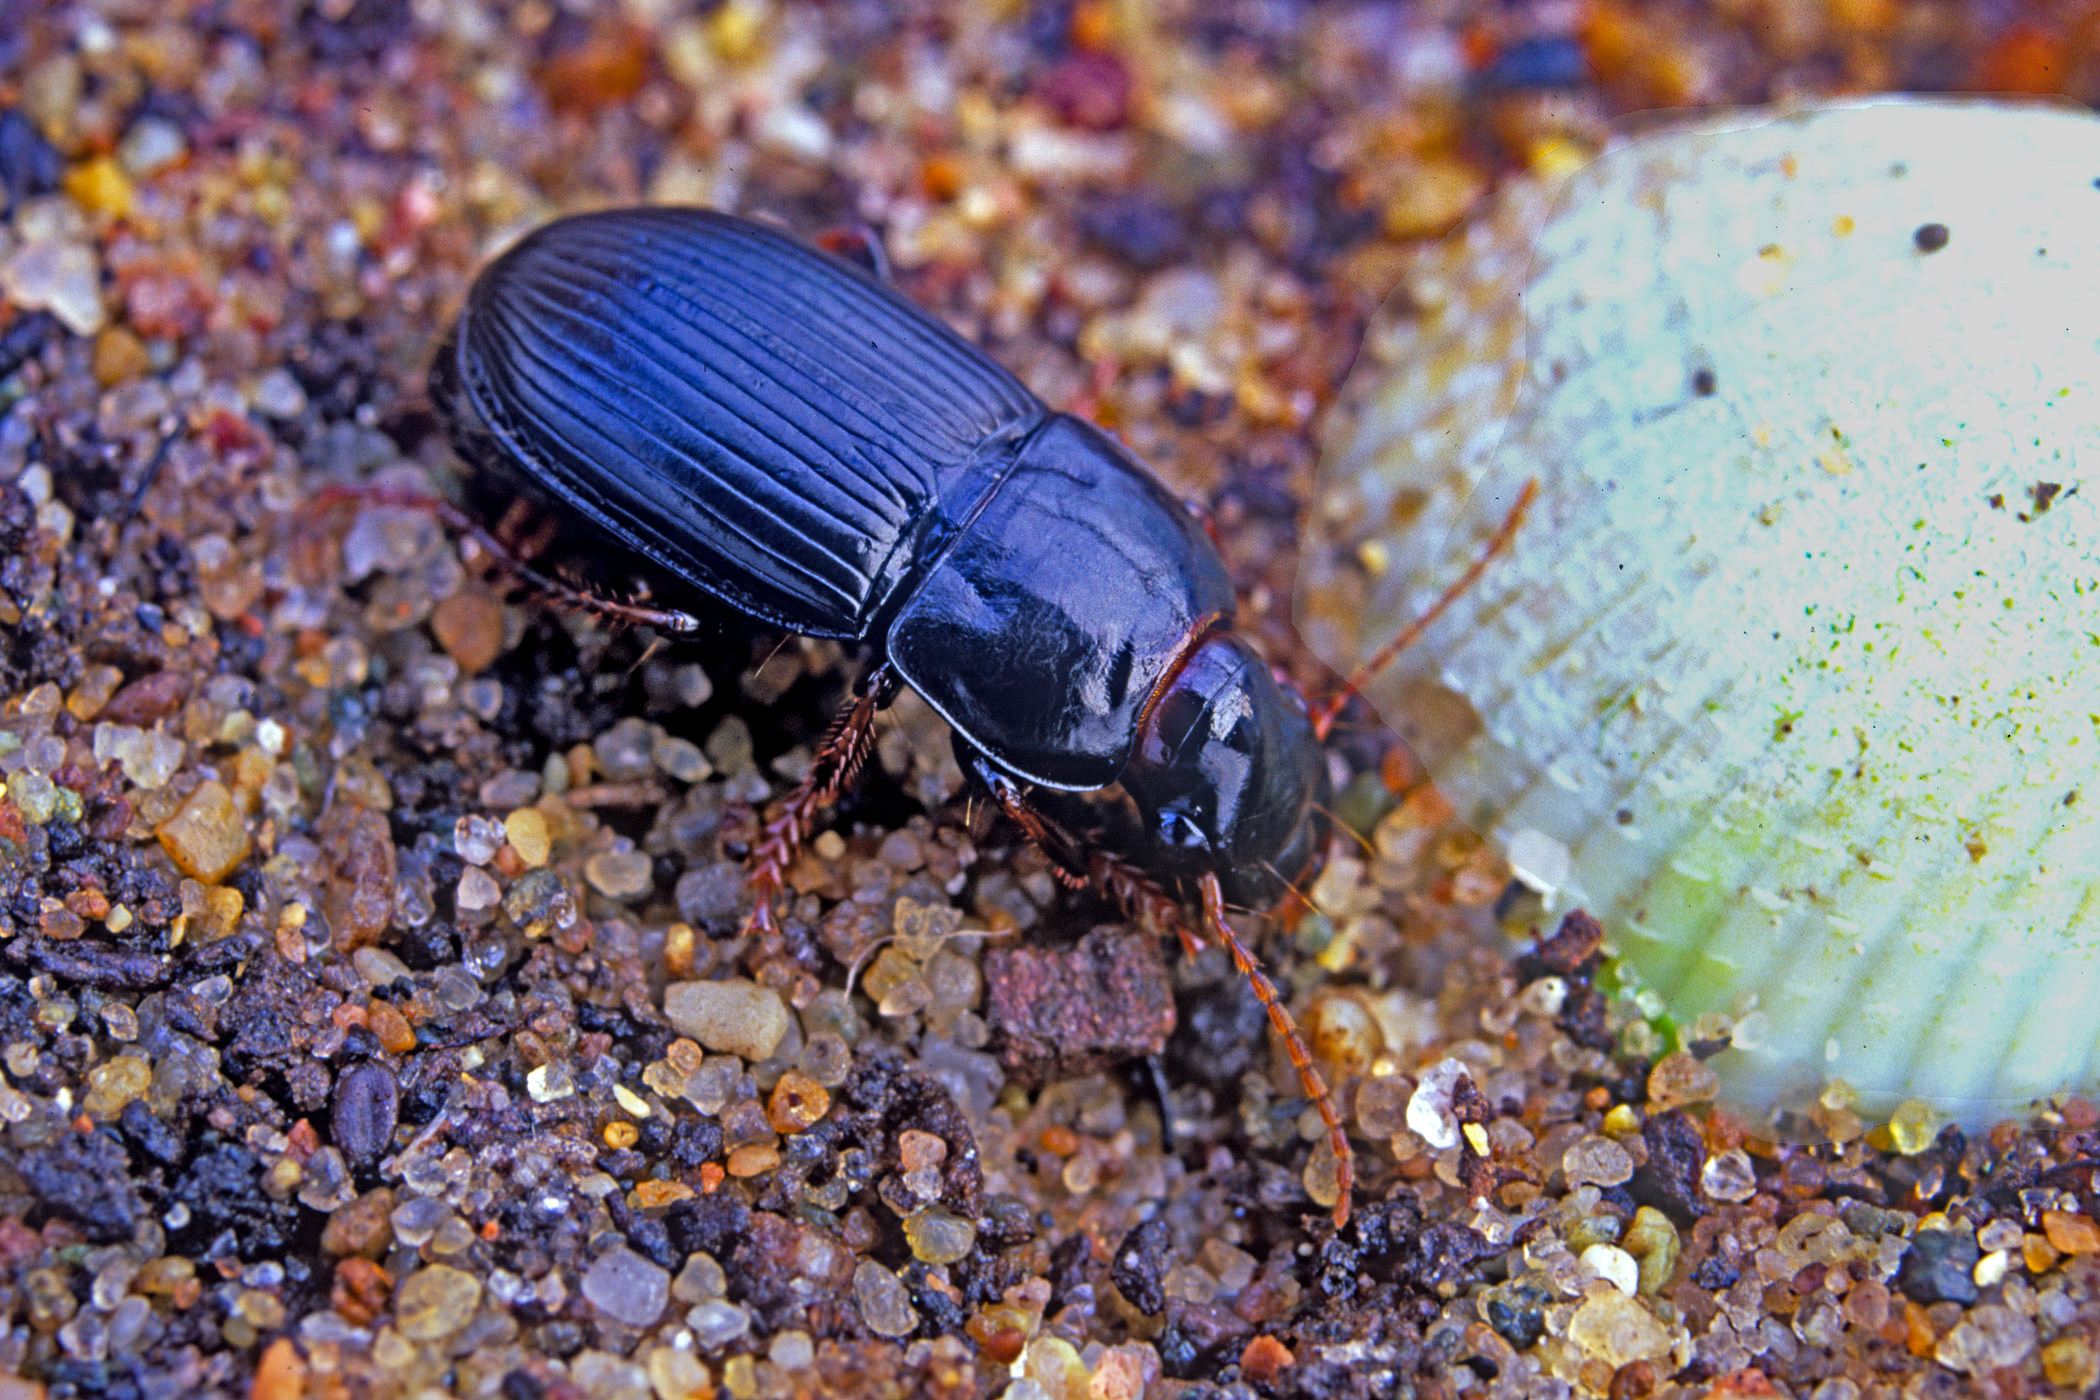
<point x="772" y="429"/>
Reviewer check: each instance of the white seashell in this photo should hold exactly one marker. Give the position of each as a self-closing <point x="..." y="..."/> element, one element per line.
<point x="1792" y="675"/>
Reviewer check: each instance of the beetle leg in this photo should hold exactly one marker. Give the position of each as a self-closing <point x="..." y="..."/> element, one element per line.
<point x="838" y="760"/>
<point x="671" y="620"/>
<point x="1053" y="841"/>
<point x="1293" y="1043"/>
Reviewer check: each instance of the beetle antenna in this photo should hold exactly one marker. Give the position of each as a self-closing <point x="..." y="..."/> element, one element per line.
<point x="1292" y="891"/>
<point x="1323" y="718"/>
<point x="1335" y="822"/>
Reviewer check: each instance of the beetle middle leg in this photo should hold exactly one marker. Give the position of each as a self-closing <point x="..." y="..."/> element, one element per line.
<point x="1146" y="900"/>
<point x="837" y="761"/>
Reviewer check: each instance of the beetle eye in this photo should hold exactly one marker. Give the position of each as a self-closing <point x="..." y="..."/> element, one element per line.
<point x="1179" y="829"/>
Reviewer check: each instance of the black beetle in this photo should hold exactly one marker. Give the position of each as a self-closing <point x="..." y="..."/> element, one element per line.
<point x="770" y="428"/>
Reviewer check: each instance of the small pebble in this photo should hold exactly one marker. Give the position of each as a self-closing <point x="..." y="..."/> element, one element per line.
<point x="738" y="1016"/>
<point x="602" y="1376"/>
<point x="1429" y="1111"/>
<point x="1681" y="1079"/>
<point x="1939" y="1267"/>
<point x="2070" y="1232"/>
<point x="476" y="838"/>
<point x="623" y="750"/>
<point x="378" y="967"/>
<point x="115" y="1083"/>
<point x="1614" y="1265"/>
<point x="35" y="797"/>
<point x="119" y="357"/>
<point x="62" y="277"/>
<point x="716" y="1324"/>
<point x="791" y="1350"/>
<point x="550" y="1082"/>
<point x="1654" y="1241"/>
<point x="1912" y="1126"/>
<point x="1055" y="1365"/>
<point x="278" y="395"/>
<point x="469" y="626"/>
<point x="362" y="1228"/>
<point x="1991" y="1338"/>
<point x="1381" y="1107"/>
<point x="677" y="1374"/>
<point x="627" y="1288"/>
<point x="206" y="837"/>
<point x="680" y="758"/>
<point x="148" y="757"/>
<point x="1264" y="1360"/>
<point x="152" y="144"/>
<point x="2071" y="1364"/>
<point x="797" y="1101"/>
<point x="394" y="1032"/>
<point x="477" y="891"/>
<point x="512" y="788"/>
<point x="1729" y="1176"/>
<point x="752" y="1159"/>
<point x="938" y="1236"/>
<point x="700" y="1280"/>
<point x="917" y="1150"/>
<point x="97" y="684"/>
<point x="618" y="874"/>
<point x="1597" y="1161"/>
<point x="885" y="1303"/>
<point x="526" y="829"/>
<point x="649" y="1195"/>
<point x="435" y="1301"/>
<point x="729" y="747"/>
<point x="1617" y="1330"/>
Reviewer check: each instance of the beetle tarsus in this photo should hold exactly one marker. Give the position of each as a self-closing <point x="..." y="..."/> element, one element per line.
<point x="837" y="761"/>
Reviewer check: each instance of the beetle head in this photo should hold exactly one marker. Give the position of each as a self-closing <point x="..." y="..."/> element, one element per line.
<point x="1228" y="775"/>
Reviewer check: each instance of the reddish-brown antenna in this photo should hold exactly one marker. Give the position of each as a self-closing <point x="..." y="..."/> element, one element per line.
<point x="1323" y="717"/>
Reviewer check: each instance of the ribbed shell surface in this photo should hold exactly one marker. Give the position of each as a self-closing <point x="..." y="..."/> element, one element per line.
<point x="751" y="414"/>
<point x="1789" y="675"/>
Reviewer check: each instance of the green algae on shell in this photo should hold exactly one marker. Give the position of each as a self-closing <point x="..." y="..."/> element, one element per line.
<point x="1792" y="676"/>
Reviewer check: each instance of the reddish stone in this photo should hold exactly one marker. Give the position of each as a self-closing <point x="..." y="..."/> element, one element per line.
<point x="147" y="699"/>
<point x="1061" y="1012"/>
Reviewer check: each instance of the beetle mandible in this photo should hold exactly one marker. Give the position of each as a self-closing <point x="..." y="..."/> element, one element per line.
<point x="770" y="428"/>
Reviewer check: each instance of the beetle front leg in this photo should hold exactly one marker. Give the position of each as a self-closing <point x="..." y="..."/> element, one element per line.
<point x="836" y="763"/>
<point x="1066" y="861"/>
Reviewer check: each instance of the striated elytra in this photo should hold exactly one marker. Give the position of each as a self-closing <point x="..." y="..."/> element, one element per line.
<point x="771" y="427"/>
